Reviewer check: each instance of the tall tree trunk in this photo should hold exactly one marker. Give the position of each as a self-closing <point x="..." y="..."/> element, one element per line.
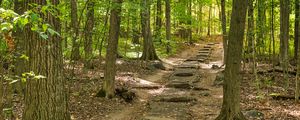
<point x="158" y="21"/>
<point x="284" y="36"/>
<point x="45" y="98"/>
<point x="168" y="25"/>
<point x="190" y="34"/>
<point x="296" y="33"/>
<point x="112" y="49"/>
<point x="149" y="52"/>
<point x="75" y="53"/>
<point x="261" y="21"/>
<point x="1" y="87"/>
<point x="200" y="19"/>
<point x="88" y="44"/>
<point x="135" y="27"/>
<point x="250" y="31"/>
<point x="223" y="11"/>
<point x="297" y="37"/>
<point x="209" y="21"/>
<point x="231" y="100"/>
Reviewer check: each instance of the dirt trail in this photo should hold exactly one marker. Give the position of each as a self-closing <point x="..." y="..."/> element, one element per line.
<point x="187" y="93"/>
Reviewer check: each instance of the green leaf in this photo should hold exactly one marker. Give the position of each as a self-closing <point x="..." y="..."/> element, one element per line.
<point x="45" y="27"/>
<point x="53" y="32"/>
<point x="24" y="57"/>
<point x="34" y="17"/>
<point x="44" y="36"/>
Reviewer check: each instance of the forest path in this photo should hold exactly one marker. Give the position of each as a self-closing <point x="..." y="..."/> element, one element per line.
<point x="187" y="93"/>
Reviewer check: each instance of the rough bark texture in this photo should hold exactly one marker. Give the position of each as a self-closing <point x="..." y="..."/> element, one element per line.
<point x="158" y="21"/>
<point x="149" y="52"/>
<point x="112" y="49"/>
<point x="88" y="43"/>
<point x="75" y="53"/>
<point x="297" y="31"/>
<point x="168" y="25"/>
<point x="297" y="36"/>
<point x="189" y="21"/>
<point x="209" y="20"/>
<point x="45" y="98"/>
<point x="1" y="87"/>
<point x="284" y="37"/>
<point x="225" y="41"/>
<point x="261" y="26"/>
<point x="231" y="100"/>
<point x="250" y="31"/>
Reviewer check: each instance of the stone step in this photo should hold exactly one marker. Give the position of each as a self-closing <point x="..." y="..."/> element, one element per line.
<point x="203" y="55"/>
<point x="196" y="59"/>
<point x="187" y="66"/>
<point x="211" y="44"/>
<point x="205" y="49"/>
<point x="207" y="46"/>
<point x="208" y="52"/>
<point x="176" y="99"/>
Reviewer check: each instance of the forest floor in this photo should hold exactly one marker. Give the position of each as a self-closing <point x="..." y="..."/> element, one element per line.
<point x="182" y="90"/>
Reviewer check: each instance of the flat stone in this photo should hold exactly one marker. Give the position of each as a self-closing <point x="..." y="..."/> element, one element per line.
<point x="187" y="66"/>
<point x="211" y="44"/>
<point x="207" y="52"/>
<point x="203" y="55"/>
<point x="207" y="46"/>
<point x="177" y="99"/>
<point x="180" y="85"/>
<point x="204" y="49"/>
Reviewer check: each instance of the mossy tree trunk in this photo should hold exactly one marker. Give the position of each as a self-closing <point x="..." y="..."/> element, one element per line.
<point x="231" y="100"/>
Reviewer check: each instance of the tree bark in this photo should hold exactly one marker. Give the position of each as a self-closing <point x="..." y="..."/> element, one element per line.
<point x="297" y="37"/>
<point x="75" y="53"/>
<point x="168" y="25"/>
<point x="284" y="36"/>
<point x="45" y="98"/>
<point x="88" y="44"/>
<point x="149" y="52"/>
<point x="225" y="42"/>
<point x="296" y="33"/>
<point x="1" y="87"/>
<point x="190" y="34"/>
<point x="112" y="49"/>
<point x="209" y="21"/>
<point x="158" y="21"/>
<point x="231" y="100"/>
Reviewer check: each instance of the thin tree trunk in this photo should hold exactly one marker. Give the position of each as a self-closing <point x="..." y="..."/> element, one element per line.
<point x="45" y="98"/>
<point x="168" y="25"/>
<point x="209" y="21"/>
<point x="231" y="100"/>
<point x="1" y="87"/>
<point x="88" y="44"/>
<point x="250" y="33"/>
<point x="75" y="53"/>
<point x="112" y="49"/>
<point x="190" y="34"/>
<point x="224" y="29"/>
<point x="297" y="36"/>
<point x="158" y="21"/>
<point x="296" y="33"/>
